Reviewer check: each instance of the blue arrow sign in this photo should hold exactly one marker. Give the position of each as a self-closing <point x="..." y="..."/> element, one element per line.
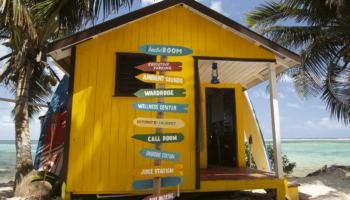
<point x="161" y="107"/>
<point x="165" y="182"/>
<point x="165" y="50"/>
<point x="160" y="155"/>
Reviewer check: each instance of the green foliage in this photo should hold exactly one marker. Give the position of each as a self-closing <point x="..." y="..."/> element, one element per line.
<point x="63" y="191"/>
<point x="288" y="166"/>
<point x="51" y="177"/>
<point x="322" y="37"/>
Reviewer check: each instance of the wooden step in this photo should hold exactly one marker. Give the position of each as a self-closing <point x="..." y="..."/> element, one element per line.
<point x="290" y="185"/>
<point x="304" y="196"/>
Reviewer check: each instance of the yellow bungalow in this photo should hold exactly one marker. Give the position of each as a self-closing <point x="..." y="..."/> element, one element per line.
<point x="99" y="149"/>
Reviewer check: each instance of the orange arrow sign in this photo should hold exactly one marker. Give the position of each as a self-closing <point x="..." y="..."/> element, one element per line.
<point x="158" y="171"/>
<point x="153" y="78"/>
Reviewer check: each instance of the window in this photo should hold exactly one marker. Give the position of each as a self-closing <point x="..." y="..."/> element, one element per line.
<point x="125" y="82"/>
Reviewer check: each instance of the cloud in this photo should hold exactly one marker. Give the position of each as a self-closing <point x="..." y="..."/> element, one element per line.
<point x="288" y="89"/>
<point x="216" y="5"/>
<point x="294" y="105"/>
<point x="287" y="79"/>
<point x="6" y="121"/>
<point x="281" y="96"/>
<point x="260" y="93"/>
<point x="326" y="123"/>
<point x="319" y="107"/>
<point x="148" y="2"/>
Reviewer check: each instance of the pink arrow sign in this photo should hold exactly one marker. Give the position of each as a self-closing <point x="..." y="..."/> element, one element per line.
<point x="163" y="196"/>
<point x="160" y="66"/>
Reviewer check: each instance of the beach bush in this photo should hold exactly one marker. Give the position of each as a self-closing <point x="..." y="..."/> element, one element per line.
<point x="288" y="166"/>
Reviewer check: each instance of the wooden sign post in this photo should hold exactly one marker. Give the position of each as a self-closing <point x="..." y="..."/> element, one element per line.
<point x="158" y="171"/>
<point x="161" y="79"/>
<point x="165" y="182"/>
<point x="158" y="123"/>
<point x="160" y="115"/>
<point x="161" y="155"/>
<point x="161" y="107"/>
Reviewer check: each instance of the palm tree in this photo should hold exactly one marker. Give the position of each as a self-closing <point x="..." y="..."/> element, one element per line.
<point x="27" y="26"/>
<point x="322" y="36"/>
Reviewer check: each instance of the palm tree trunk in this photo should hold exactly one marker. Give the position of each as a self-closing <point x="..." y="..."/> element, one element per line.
<point x="24" y="162"/>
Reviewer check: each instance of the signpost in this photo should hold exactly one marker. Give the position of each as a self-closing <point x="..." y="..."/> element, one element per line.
<point x="160" y="66"/>
<point x="160" y="107"/>
<point x="163" y="196"/>
<point x="157" y="171"/>
<point x="158" y="123"/>
<point x="161" y="155"/>
<point x="165" y="182"/>
<point x="165" y="50"/>
<point x="153" y="78"/>
<point x="160" y="138"/>
<point x="158" y="93"/>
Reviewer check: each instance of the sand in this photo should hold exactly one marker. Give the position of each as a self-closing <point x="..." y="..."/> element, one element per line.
<point x="327" y="183"/>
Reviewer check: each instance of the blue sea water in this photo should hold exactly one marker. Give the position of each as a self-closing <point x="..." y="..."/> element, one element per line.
<point x="309" y="154"/>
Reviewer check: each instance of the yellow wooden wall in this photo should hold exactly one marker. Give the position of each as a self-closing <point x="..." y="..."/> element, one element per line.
<point x="102" y="152"/>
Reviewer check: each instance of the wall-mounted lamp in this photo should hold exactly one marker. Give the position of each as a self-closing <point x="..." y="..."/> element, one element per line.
<point x="214" y="74"/>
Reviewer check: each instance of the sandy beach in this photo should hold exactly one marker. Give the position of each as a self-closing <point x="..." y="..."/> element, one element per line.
<point x="331" y="183"/>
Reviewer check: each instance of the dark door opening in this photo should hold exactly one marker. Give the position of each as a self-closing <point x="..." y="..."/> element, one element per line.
<point x="221" y="127"/>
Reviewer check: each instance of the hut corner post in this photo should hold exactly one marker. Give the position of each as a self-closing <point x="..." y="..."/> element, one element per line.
<point x="160" y="115"/>
<point x="275" y="119"/>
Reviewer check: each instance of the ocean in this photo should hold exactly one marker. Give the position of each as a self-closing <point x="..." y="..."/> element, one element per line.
<point x="309" y="154"/>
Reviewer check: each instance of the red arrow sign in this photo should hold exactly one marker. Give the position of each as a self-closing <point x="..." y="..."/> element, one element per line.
<point x="160" y="66"/>
<point x="163" y="196"/>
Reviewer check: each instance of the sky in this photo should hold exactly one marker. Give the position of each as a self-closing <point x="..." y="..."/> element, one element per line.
<point x="306" y="119"/>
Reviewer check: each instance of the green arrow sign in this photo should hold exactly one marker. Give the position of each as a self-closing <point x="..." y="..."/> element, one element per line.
<point x="160" y="138"/>
<point x="159" y="93"/>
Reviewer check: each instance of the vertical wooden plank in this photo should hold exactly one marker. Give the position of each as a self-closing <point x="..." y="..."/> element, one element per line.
<point x="172" y="24"/>
<point x="143" y="32"/>
<point x="86" y="146"/>
<point x="122" y="169"/>
<point x="165" y="26"/>
<point x="150" y="29"/>
<point x="109" y="64"/>
<point x="97" y="128"/>
<point x="130" y="143"/>
<point x="92" y="141"/>
<point x="202" y="36"/>
<point x="187" y="29"/>
<point x="223" y="42"/>
<point x="194" y="33"/>
<point x="127" y="38"/>
<point x="179" y="26"/>
<point x="204" y="161"/>
<point x="240" y="125"/>
<point x="158" y="28"/>
<point x="237" y="42"/>
<point x="230" y="44"/>
<point x="75" y="156"/>
<point x="135" y="32"/>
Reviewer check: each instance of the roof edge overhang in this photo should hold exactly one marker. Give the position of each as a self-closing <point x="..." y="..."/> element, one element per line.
<point x="193" y="6"/>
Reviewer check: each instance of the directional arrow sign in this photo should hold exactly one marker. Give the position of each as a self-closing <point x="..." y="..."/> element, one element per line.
<point x="158" y="123"/>
<point x="165" y="182"/>
<point x="160" y="138"/>
<point x="165" y="50"/>
<point x="161" y="107"/>
<point x="160" y="66"/>
<point x="153" y="78"/>
<point x="160" y="155"/>
<point x="159" y="93"/>
<point x="163" y="196"/>
<point x="158" y="171"/>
